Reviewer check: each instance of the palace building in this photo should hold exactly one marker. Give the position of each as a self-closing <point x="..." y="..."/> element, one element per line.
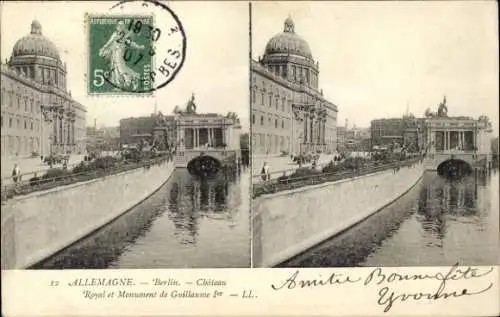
<point x="289" y="112"/>
<point x="38" y="114"/>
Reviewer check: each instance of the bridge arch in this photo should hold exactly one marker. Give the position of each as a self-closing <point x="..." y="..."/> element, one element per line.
<point x="454" y="167"/>
<point x="204" y="165"/>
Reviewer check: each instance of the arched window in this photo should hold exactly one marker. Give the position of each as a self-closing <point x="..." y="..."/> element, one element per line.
<point x="262" y="97"/>
<point x="282" y="124"/>
<point x="275" y="123"/>
<point x="253" y="118"/>
<point x="261" y="120"/>
<point x="270" y="100"/>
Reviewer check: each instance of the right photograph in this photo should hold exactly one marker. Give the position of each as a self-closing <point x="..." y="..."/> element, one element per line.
<point x="374" y="134"/>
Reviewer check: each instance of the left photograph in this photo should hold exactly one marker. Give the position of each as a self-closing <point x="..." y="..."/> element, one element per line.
<point x="124" y="135"/>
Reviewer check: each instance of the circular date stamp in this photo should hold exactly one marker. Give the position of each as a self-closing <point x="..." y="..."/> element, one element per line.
<point x="135" y="48"/>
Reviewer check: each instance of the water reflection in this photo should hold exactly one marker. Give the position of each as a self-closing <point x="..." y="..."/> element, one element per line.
<point x="191" y="199"/>
<point x="179" y="226"/>
<point x="439" y="222"/>
<point x="442" y="199"/>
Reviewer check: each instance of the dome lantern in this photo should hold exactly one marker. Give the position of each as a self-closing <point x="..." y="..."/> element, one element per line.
<point x="35" y="44"/>
<point x="36" y="27"/>
<point x="288" y="42"/>
<point x="289" y="25"/>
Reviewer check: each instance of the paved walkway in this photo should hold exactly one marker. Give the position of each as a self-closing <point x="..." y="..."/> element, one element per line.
<point x="279" y="164"/>
<point x="33" y="164"/>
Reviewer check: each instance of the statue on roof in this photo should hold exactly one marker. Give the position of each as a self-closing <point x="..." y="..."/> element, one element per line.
<point x="191" y="106"/>
<point x="443" y="109"/>
<point x="160" y="119"/>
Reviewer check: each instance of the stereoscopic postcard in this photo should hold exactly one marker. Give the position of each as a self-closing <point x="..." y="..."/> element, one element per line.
<point x="239" y="158"/>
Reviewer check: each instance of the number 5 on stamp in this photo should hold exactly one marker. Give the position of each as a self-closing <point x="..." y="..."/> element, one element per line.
<point x="120" y="54"/>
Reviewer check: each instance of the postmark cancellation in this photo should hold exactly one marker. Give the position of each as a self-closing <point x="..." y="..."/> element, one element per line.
<point x="120" y="53"/>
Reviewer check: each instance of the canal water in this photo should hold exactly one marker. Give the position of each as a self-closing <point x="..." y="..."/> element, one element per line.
<point x="437" y="223"/>
<point x="188" y="223"/>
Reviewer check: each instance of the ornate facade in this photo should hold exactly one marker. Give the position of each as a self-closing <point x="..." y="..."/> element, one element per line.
<point x="38" y="114"/>
<point x="289" y="112"/>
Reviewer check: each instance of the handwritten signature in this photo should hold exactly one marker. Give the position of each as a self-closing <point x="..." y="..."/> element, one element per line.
<point x="387" y="297"/>
<point x="334" y="278"/>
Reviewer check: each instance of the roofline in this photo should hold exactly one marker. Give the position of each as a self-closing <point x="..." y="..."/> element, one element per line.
<point x="258" y="68"/>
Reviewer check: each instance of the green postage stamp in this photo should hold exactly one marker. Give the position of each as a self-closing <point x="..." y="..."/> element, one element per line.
<point x="120" y="54"/>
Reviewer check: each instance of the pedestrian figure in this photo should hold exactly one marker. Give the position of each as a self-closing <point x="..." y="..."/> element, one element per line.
<point x="16" y="174"/>
<point x="265" y="172"/>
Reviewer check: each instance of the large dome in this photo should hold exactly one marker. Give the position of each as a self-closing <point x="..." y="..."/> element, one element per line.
<point x="288" y="42"/>
<point x="35" y="44"/>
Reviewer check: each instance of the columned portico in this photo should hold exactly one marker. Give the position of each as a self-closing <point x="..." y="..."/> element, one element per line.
<point x="204" y="134"/>
<point x="459" y="138"/>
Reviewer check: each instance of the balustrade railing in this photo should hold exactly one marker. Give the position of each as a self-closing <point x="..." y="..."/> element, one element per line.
<point x="26" y="186"/>
<point x="262" y="187"/>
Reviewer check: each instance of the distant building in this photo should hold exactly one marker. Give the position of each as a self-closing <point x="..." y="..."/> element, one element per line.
<point x="105" y="138"/>
<point x="289" y="112"/>
<point x="133" y="130"/>
<point x="341" y="139"/>
<point x="385" y="132"/>
<point x="38" y="114"/>
<point x="353" y="139"/>
<point x="364" y="139"/>
<point x="414" y="133"/>
<point x="187" y="129"/>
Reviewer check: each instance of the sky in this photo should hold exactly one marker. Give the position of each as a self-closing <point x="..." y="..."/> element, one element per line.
<point x="215" y="69"/>
<point x="377" y="59"/>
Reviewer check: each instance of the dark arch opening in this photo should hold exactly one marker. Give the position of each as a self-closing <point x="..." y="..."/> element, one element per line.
<point x="204" y="166"/>
<point x="454" y="168"/>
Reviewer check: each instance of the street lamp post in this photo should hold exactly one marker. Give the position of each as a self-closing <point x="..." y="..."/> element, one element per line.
<point x="60" y="116"/>
<point x="300" y="145"/>
<point x="47" y="116"/>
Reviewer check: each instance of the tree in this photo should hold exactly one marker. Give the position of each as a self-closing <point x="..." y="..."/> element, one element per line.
<point x="428" y="113"/>
<point x="485" y="119"/>
<point x="176" y="110"/>
<point x="244" y="139"/>
<point x="494" y="146"/>
<point x="234" y="116"/>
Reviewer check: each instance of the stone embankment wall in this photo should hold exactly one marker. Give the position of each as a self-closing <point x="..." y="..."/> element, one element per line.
<point x="290" y="222"/>
<point x="40" y="224"/>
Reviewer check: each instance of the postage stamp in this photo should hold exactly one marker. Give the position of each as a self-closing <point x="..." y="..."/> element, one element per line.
<point x="136" y="47"/>
<point x="121" y="53"/>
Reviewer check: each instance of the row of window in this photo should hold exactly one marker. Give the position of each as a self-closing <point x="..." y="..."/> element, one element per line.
<point x="21" y="144"/>
<point x="17" y="101"/>
<point x="269" y="144"/>
<point x="17" y="123"/>
<point x="298" y="73"/>
<point x="279" y="103"/>
<point x="49" y="75"/>
<point x="279" y="123"/>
